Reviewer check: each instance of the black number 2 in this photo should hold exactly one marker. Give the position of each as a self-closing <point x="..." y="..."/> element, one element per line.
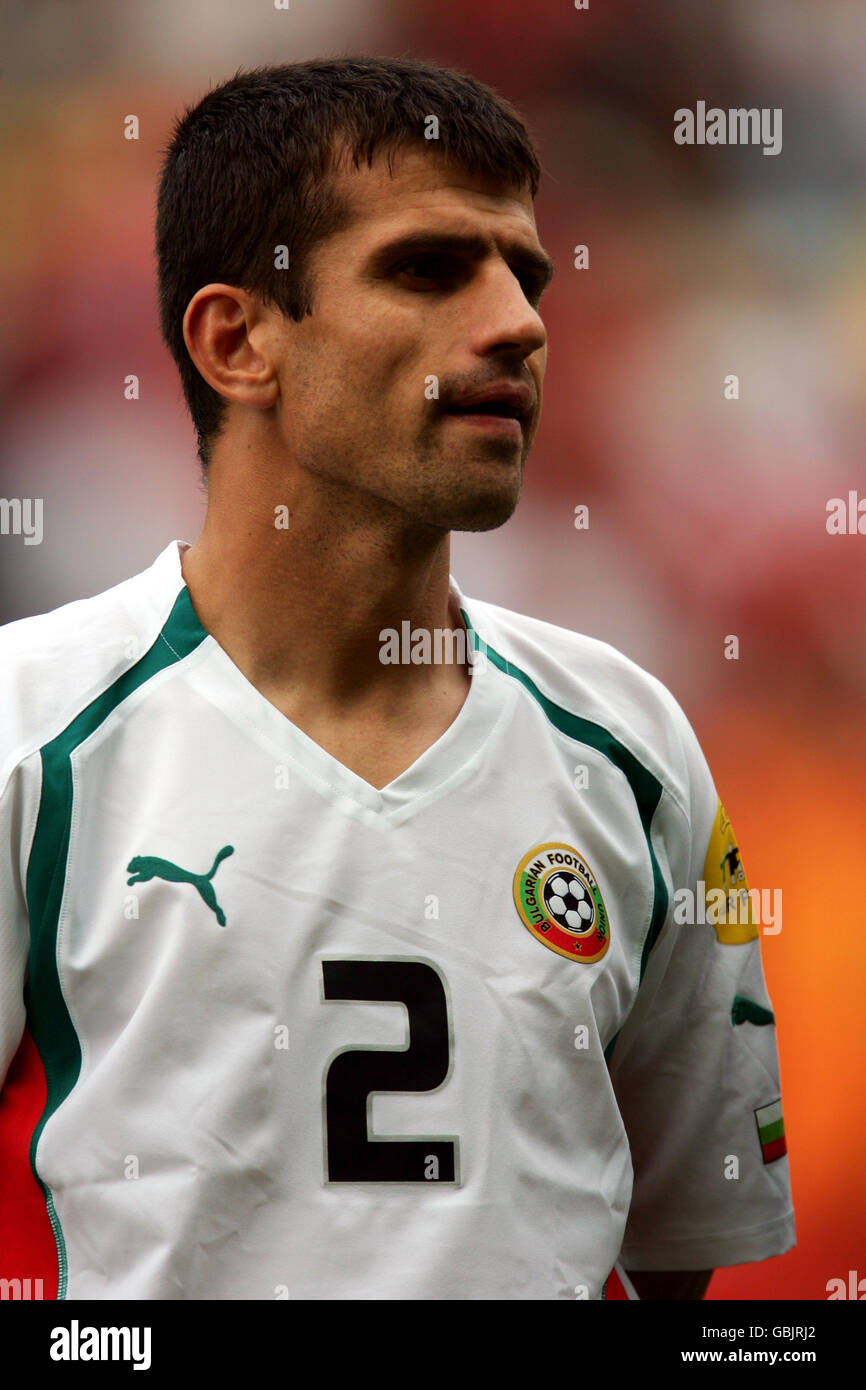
<point x="351" y="1155"/>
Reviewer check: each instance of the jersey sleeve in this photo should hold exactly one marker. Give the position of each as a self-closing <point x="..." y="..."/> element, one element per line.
<point x="695" y="1068"/>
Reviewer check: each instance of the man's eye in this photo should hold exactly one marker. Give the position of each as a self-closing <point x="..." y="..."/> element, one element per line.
<point x="445" y="269"/>
<point x="432" y="267"/>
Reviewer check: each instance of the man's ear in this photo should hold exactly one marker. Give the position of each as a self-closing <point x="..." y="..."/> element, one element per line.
<point x="219" y="329"/>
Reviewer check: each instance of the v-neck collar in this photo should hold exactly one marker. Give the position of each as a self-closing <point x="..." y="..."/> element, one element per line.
<point x="451" y="756"/>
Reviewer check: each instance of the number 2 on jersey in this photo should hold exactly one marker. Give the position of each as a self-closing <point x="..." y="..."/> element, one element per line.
<point x="353" y="1075"/>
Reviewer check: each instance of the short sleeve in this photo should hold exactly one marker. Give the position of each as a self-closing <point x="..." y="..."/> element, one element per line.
<point x="695" y="1068"/>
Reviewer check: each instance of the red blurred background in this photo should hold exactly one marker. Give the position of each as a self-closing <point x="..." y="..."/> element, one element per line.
<point x="707" y="516"/>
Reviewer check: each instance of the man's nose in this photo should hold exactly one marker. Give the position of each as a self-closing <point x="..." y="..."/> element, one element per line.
<point x="503" y="316"/>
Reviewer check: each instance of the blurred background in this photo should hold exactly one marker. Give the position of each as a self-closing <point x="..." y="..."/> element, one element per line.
<point x="707" y="516"/>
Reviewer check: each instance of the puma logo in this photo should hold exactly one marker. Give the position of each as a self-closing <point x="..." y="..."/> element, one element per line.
<point x="146" y="866"/>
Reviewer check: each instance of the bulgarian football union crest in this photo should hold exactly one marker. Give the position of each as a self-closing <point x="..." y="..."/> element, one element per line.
<point x="558" y="899"/>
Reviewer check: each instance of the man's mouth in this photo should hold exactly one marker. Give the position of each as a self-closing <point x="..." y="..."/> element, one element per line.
<point x="487" y="419"/>
<point x="504" y="409"/>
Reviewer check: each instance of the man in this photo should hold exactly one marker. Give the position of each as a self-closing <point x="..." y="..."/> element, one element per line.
<point x="355" y="973"/>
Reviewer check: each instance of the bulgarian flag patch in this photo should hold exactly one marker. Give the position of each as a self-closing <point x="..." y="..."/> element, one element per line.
<point x="771" y="1131"/>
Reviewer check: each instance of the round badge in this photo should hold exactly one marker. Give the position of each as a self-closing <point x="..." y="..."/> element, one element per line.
<point x="558" y="899"/>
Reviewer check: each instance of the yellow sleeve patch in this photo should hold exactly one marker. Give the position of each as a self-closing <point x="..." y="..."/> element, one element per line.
<point x="726" y="889"/>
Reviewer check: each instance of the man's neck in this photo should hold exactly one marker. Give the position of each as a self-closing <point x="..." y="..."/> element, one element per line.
<point x="299" y="609"/>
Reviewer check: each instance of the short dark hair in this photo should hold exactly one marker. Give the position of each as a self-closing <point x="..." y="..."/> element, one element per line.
<point x="249" y="168"/>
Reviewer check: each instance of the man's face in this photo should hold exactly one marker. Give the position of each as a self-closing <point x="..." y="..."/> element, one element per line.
<point x="394" y="319"/>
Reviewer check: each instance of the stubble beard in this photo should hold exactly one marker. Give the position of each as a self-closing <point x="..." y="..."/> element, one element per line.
<point x="432" y="491"/>
<point x="446" y="498"/>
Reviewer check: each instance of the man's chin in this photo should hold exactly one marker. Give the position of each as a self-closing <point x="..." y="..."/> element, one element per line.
<point x="489" y="522"/>
<point x="463" y="496"/>
<point x="484" y="513"/>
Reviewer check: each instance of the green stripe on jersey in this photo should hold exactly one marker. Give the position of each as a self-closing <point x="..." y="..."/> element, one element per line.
<point x="745" y="1010"/>
<point x="646" y="788"/>
<point x="48" y="1017"/>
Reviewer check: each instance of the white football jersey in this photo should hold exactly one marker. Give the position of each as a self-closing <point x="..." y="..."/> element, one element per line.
<point x="304" y="1038"/>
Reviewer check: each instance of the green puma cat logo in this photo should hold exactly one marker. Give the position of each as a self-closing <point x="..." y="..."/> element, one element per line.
<point x="145" y="866"/>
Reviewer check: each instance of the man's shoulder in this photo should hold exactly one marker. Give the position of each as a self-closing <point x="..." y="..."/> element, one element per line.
<point x="577" y="678"/>
<point x="53" y="664"/>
